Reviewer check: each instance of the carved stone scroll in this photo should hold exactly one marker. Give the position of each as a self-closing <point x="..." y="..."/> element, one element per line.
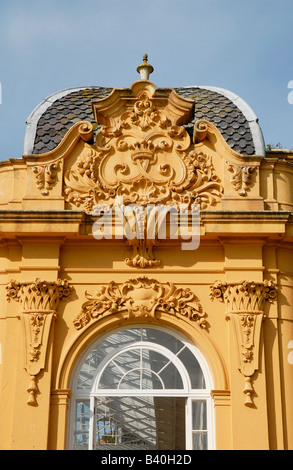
<point x="39" y="301"/>
<point x="245" y="309"/>
<point x="141" y="298"/>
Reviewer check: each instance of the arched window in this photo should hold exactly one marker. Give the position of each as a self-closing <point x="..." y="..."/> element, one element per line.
<point x="141" y="388"/>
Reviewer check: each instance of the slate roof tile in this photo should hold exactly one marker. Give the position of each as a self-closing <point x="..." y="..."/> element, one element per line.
<point x="76" y="106"/>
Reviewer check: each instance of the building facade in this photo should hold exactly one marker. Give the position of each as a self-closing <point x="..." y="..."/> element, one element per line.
<point x="146" y="275"/>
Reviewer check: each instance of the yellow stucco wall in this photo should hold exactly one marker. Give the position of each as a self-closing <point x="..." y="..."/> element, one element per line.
<point x="243" y="237"/>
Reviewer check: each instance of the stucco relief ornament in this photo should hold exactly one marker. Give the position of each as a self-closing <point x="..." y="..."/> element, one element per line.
<point x="241" y="177"/>
<point x="144" y="155"/>
<point x="146" y="159"/>
<point x="140" y="298"/>
<point x="245" y="309"/>
<point x="39" y="301"/>
<point x="46" y="176"/>
<point x="45" y="167"/>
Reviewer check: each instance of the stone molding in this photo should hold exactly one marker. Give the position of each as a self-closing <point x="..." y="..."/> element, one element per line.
<point x="245" y="309"/>
<point x="39" y="301"/>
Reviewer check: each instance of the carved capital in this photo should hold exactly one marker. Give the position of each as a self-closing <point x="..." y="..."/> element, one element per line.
<point x="39" y="301"/>
<point x="141" y="298"/>
<point x="245" y="309"/>
<point x="38" y="295"/>
<point x="245" y="296"/>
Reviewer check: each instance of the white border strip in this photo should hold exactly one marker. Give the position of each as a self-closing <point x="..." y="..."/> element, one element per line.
<point x="33" y="119"/>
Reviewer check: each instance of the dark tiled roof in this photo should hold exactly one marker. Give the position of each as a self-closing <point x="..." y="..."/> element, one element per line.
<point x="76" y="106"/>
<point x="226" y="116"/>
<point x="63" y="113"/>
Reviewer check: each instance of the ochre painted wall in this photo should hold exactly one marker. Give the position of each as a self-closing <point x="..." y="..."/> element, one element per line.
<point x="50" y="259"/>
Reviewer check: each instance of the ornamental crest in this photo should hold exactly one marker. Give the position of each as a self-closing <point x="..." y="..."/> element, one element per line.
<point x="142" y="153"/>
<point x="141" y="298"/>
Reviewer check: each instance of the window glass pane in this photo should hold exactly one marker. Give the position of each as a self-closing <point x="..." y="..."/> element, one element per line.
<point x="193" y="368"/>
<point x="131" y="380"/>
<point x="111" y="376"/>
<point x="147" y="423"/>
<point x="171" y="377"/>
<point x="125" y="423"/>
<point x="200" y="441"/>
<point x="153" y="360"/>
<point x="120" y="339"/>
<point x="128" y="360"/>
<point x="142" y="379"/>
<point x="163" y="338"/>
<point x="199" y="415"/>
<point x="81" y="431"/>
<point x="150" y="381"/>
<point x="88" y="369"/>
<point x="130" y="367"/>
<point x="109" y="345"/>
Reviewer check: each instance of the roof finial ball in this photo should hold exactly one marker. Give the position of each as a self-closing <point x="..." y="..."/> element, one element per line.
<point x="145" y="69"/>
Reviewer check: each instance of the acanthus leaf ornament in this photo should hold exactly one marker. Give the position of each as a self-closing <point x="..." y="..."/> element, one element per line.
<point x="39" y="301"/>
<point x="245" y="309"/>
<point x="141" y="298"/>
<point x="45" y="175"/>
<point x="241" y="178"/>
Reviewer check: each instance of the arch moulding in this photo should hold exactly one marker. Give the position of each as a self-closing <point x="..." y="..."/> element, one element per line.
<point x="142" y="301"/>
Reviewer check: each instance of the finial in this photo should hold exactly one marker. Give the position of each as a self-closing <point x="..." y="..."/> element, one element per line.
<point x="145" y="69"/>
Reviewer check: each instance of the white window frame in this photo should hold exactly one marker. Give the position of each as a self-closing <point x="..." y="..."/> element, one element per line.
<point x="187" y="392"/>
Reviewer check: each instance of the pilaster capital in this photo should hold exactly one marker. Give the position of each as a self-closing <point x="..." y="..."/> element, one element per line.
<point x="245" y="304"/>
<point x="38" y="308"/>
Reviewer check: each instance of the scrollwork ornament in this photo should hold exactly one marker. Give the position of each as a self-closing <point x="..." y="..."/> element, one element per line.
<point x="145" y="158"/>
<point x="142" y="297"/>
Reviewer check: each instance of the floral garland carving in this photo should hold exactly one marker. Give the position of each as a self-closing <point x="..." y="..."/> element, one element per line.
<point x="245" y="309"/>
<point x="39" y="301"/>
<point x="140" y="298"/>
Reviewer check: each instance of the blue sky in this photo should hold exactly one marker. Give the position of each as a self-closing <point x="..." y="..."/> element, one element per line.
<point x="243" y="46"/>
